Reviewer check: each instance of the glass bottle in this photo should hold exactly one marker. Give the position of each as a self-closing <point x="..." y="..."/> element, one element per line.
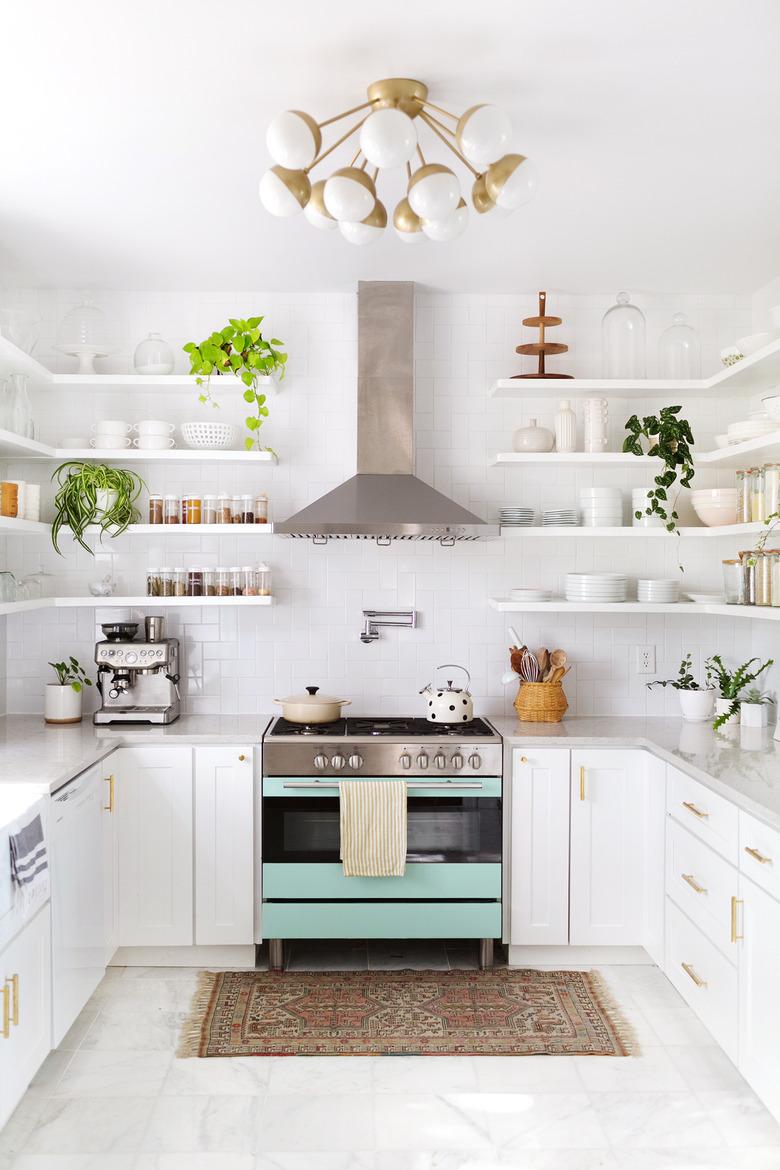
<point x="743" y="497"/>
<point x="679" y="350"/>
<point x="623" y="349"/>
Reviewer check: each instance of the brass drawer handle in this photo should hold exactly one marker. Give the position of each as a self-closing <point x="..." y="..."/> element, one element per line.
<point x="110" y="806"/>
<point x="735" y="902"/>
<point x="6" y="1032"/>
<point x="759" y="857"/>
<point x="697" y="812"/>
<point x="242" y="758"/>
<point x="697" y="979"/>
<point x="582" y="781"/>
<point x="15" y="1000"/>
<point x="691" y="880"/>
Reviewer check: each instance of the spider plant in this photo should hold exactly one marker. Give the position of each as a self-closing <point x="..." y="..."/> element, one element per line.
<point x="76" y="501"/>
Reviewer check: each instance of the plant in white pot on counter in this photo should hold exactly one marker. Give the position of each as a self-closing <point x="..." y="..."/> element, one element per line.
<point x="695" y="700"/>
<point x="753" y="708"/>
<point x="63" y="698"/>
<point x="730" y="684"/>
<point x="91" y="493"/>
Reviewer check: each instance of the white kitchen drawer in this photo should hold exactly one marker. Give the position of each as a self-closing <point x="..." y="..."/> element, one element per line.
<point x="706" y="814"/>
<point x="703" y="977"/>
<point x="759" y="853"/>
<point x="702" y="884"/>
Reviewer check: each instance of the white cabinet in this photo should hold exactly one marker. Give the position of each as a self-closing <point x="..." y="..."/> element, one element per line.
<point x="607" y="847"/>
<point x="539" y="903"/>
<point x="224" y="843"/>
<point x="25" y="1002"/>
<point x="703" y="976"/>
<point x="759" y="1003"/>
<point x="153" y="801"/>
<point x="110" y="885"/>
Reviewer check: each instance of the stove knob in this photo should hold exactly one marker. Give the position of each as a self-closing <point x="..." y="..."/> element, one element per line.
<point x="355" y="761"/>
<point x="475" y="761"/>
<point x="422" y="760"/>
<point x="457" y="760"/>
<point x="405" y="760"/>
<point x="440" y="760"/>
<point x="320" y="763"/>
<point x="337" y="762"/>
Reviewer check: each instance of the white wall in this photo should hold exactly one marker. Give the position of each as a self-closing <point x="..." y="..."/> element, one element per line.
<point x="238" y="661"/>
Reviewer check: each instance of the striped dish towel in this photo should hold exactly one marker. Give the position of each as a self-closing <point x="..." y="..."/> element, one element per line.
<point x="373" y="828"/>
<point x="29" y="862"/>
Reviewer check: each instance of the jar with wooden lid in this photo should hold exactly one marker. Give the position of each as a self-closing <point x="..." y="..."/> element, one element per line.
<point x="155" y="509"/>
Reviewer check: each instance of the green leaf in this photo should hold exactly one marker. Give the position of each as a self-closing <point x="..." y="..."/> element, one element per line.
<point x="248" y="379"/>
<point x="248" y="444"/>
<point x="249" y="396"/>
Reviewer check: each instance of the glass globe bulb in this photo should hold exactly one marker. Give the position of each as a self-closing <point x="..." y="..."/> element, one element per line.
<point x="388" y="138"/>
<point x="349" y="195"/>
<point x="511" y="181"/>
<point x="316" y="212"/>
<point x="293" y="140"/>
<point x="284" y="192"/>
<point x="444" y="230"/>
<point x="679" y="350"/>
<point x="482" y="133"/>
<point x="369" y="230"/>
<point x="433" y="192"/>
<point x="411" y="237"/>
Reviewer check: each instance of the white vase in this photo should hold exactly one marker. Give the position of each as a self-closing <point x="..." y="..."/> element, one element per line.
<point x="565" y="427"/>
<point x="753" y="714"/>
<point x="696" y="705"/>
<point x="533" y="438"/>
<point x="104" y="501"/>
<point x="62" y="704"/>
<point x="721" y="708"/>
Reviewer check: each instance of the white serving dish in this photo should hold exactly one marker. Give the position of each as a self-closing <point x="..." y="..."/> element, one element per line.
<point x="706" y="598"/>
<point x="212" y="436"/>
<point x="771" y="405"/>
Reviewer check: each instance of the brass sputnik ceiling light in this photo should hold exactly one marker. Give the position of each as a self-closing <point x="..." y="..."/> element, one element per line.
<point x="433" y="207"/>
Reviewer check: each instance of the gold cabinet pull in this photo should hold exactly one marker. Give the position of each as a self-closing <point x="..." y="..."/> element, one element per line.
<point x="697" y="812"/>
<point x="242" y="758"/>
<point x="697" y="979"/>
<point x="582" y="781"/>
<point x="6" y="991"/>
<point x="111" y="784"/>
<point x="759" y="857"/>
<point x="15" y="1000"/>
<point x="691" y="880"/>
<point x="735" y="903"/>
<point x="524" y="759"/>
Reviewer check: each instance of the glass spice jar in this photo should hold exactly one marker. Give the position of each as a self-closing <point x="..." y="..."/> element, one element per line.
<point x="763" y="579"/>
<point x="236" y="509"/>
<point x="261" y="508"/>
<point x="153" y="583"/>
<point x="247" y="510"/>
<point x="166" y="582"/>
<point x="224" y="510"/>
<point x="263" y="580"/>
<point x="171" y="510"/>
<point x="773" y="556"/>
<point x="222" y="582"/>
<point x="235" y="580"/>
<point x="195" y="583"/>
<point x="747" y="560"/>
<point x="209" y="583"/>
<point x="248" y="585"/>
<point x="209" y="509"/>
<point x="743" y="497"/>
<point x="191" y="508"/>
<point x="155" y="509"/>
<point x="732" y="581"/>
<point x="179" y="582"/>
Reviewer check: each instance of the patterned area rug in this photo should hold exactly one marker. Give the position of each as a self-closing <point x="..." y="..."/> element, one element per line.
<point x="424" y="1013"/>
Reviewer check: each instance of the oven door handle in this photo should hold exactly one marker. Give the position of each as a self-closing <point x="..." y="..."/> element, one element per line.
<point x="449" y="785"/>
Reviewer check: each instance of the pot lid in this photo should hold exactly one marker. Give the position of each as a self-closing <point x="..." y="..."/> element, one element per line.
<point x="311" y="699"/>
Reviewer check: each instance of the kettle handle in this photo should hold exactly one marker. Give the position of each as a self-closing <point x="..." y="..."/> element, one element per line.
<point x="454" y="666"/>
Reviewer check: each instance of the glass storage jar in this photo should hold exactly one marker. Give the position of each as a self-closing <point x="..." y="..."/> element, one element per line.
<point x="222" y="582"/>
<point x="236" y="508"/>
<point x="763" y="579"/>
<point x="194" y="582"/>
<point x="623" y="351"/>
<point x="235" y="580"/>
<point x="757" y="495"/>
<point x="171" y="510"/>
<point x="209" y="510"/>
<point x="248" y="586"/>
<point x="247" y="510"/>
<point x="261" y="508"/>
<point x="747" y="560"/>
<point x="166" y="582"/>
<point x="224" y="510"/>
<point x="773" y="556"/>
<point x="771" y="489"/>
<point x="179" y="582"/>
<point x="209" y="582"/>
<point x="153" y="583"/>
<point x="263" y="580"/>
<point x="732" y="582"/>
<point x="155" y="509"/>
<point x="743" y="497"/>
<point x="191" y="509"/>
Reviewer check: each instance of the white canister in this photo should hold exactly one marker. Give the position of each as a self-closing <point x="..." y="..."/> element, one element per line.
<point x="61" y="704"/>
<point x="32" y="501"/>
<point x="565" y="427"/>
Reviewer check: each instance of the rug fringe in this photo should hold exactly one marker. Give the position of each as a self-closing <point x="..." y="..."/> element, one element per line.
<point x="624" y="1031"/>
<point x="191" y="1034"/>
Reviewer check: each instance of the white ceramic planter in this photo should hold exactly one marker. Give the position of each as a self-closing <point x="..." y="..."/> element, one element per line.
<point x="697" y="705"/>
<point x="62" y="704"/>
<point x="753" y="714"/>
<point x="104" y="501"/>
<point x="721" y="707"/>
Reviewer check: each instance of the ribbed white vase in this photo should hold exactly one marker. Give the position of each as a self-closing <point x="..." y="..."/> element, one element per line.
<point x="565" y="427"/>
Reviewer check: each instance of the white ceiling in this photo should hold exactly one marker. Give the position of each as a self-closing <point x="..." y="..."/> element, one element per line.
<point x="134" y="140"/>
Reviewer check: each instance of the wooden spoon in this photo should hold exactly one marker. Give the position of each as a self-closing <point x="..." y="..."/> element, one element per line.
<point x="543" y="658"/>
<point x="558" y="658"/>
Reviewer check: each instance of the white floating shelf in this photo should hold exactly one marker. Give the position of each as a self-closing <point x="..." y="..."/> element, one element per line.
<point x="560" y="605"/>
<point x="11" y="526"/>
<point x="182" y="530"/>
<point x="13" y="446"/>
<point x="573" y="458"/>
<point x="140" y="602"/>
<point x="135" y="381"/>
<point x="9" y="607"/>
<point x="627" y="531"/>
<point x="14" y="360"/>
<point x="749" y="376"/>
<point x="766" y="449"/>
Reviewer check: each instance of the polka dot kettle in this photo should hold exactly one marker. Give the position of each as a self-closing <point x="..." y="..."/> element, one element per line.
<point x="449" y="704"/>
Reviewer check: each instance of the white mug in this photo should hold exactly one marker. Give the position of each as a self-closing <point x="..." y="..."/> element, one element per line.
<point x="154" y="426"/>
<point x="111" y="426"/>
<point x="109" y="442"/>
<point x="153" y="443"/>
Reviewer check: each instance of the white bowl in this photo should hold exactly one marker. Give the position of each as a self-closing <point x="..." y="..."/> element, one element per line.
<point x="208" y="435"/>
<point x="714" y="494"/>
<point x="706" y="598"/>
<point x="772" y="406"/>
<point x="111" y="426"/>
<point x="153" y="442"/>
<point x="715" y="517"/>
<point x="154" y="426"/>
<point x="753" y="342"/>
<point x="106" y="442"/>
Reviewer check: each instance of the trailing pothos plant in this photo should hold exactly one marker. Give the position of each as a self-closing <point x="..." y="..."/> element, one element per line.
<point x="669" y="438"/>
<point x="731" y="683"/>
<point x="239" y="348"/>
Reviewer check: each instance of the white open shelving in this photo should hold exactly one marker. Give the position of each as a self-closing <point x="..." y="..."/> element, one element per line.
<point x="628" y="532"/>
<point x="13" y="446"/>
<point x="766" y="449"/>
<point x="11" y="526"/>
<point x="132" y="602"/>
<point x="182" y="530"/>
<point x="684" y="608"/>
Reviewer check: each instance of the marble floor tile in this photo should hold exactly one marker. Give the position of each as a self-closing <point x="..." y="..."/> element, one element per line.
<point x="194" y="1161"/>
<point x="678" y="1026"/>
<point x="653" y="1070"/>
<point x="113" y="1074"/>
<point x="519" y="1121"/>
<point x="149" y="994"/>
<point x="527" y="1074"/>
<point x="320" y="1074"/>
<point x="421" y="1121"/>
<point x="217" y="1124"/>
<point x="128" y="1029"/>
<point x="394" y="955"/>
<point x="705" y="1068"/>
<point x="291" y="1122"/>
<point x="16" y="1132"/>
<point x="663" y="1120"/>
<point x="82" y="1125"/>
<point x="52" y="1069"/>
<point x="335" y="1160"/>
<point x="80" y="1027"/>
<point x="157" y="973"/>
<point x="741" y="1118"/>
<point x="423" y="1074"/>
<point x="234" y="1076"/>
<point x="75" y="1162"/>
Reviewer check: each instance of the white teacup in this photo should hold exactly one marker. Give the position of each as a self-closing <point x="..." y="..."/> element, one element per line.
<point x="153" y="443"/>
<point x="105" y="442"/>
<point x="154" y="426"/>
<point x="111" y="426"/>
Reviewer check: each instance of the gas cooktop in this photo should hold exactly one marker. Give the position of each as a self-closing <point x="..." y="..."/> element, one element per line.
<point x="365" y="727"/>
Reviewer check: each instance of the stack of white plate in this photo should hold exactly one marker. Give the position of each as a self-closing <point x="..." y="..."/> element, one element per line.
<point x="597" y="587"/>
<point x="657" y="592"/>
<point x="529" y="594"/>
<point x="752" y="428"/>
<point x="516" y="517"/>
<point x="601" y="507"/>
<point x="565" y="517"/>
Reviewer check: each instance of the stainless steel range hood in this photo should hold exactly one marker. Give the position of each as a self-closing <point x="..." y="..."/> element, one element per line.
<point x="385" y="500"/>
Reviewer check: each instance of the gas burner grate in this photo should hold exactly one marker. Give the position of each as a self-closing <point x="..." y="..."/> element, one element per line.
<point x="285" y="727"/>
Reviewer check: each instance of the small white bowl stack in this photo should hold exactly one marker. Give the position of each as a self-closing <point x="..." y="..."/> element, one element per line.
<point x="595" y="587"/>
<point x="657" y="592"/>
<point x="516" y="517"/>
<point x="639" y="503"/>
<point x="752" y="427"/>
<point x="601" y="507"/>
<point x="560" y="518"/>
<point x="715" y="506"/>
<point x="529" y="594"/>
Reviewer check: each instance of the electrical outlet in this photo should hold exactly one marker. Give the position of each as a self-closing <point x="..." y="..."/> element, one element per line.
<point x="645" y="660"/>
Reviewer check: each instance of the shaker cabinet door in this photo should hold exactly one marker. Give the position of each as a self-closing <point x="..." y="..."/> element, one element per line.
<point x="539" y="861"/>
<point x="758" y="923"/>
<point x="224" y="845"/>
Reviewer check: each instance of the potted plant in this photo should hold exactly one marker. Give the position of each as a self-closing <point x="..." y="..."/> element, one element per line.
<point x="91" y="493"/>
<point x="240" y="349"/>
<point x="695" y="700"/>
<point x="753" y="708"/>
<point x="62" y="703"/>
<point x="669" y="438"/>
<point x="730" y="685"/>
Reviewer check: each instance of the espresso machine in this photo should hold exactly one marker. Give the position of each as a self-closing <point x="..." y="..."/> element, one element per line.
<point x="138" y="680"/>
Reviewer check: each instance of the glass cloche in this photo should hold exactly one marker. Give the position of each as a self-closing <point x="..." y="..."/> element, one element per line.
<point x="623" y="349"/>
<point x="679" y="350"/>
<point x="153" y="356"/>
<point x="83" y="334"/>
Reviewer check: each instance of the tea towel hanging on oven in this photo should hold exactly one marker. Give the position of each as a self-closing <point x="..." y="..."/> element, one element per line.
<point x="373" y="828"/>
